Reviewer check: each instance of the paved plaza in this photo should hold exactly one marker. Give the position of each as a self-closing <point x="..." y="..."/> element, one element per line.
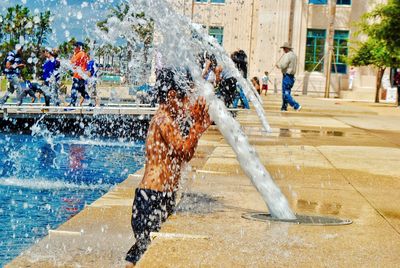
<point x="334" y="158"/>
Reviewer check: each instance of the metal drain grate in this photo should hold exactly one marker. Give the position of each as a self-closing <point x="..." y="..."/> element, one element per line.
<point x="301" y="219"/>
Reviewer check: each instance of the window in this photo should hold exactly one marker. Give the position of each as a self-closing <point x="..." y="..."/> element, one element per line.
<point x="344" y="2"/>
<point x="315" y="50"/>
<point x="217" y="33"/>
<point x="341" y="50"/>
<point x="318" y="2"/>
<point x="201" y="1"/>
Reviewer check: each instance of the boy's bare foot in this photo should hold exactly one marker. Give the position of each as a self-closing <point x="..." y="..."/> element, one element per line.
<point x="129" y="265"/>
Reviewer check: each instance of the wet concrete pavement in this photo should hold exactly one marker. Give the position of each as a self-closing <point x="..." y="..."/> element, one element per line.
<point x="334" y="158"/>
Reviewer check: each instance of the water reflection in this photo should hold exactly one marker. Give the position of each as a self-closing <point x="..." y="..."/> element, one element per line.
<point x="284" y="132"/>
<point x="301" y="133"/>
<point x="76" y="157"/>
<point x="47" y="155"/>
<point x="318" y="207"/>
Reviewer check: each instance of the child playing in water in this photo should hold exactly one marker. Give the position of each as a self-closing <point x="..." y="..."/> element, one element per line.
<point x="167" y="149"/>
<point x="256" y="84"/>
<point x="264" y="81"/>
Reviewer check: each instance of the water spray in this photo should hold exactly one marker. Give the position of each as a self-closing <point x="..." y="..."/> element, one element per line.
<point x="178" y="48"/>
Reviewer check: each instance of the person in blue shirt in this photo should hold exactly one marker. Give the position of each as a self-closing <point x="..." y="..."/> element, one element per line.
<point x="51" y="77"/>
<point x="12" y="72"/>
<point x="92" y="69"/>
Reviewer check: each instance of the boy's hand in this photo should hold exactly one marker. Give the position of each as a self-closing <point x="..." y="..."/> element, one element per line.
<point x="197" y="109"/>
<point x="200" y="115"/>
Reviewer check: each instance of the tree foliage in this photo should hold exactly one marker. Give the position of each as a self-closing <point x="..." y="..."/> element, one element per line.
<point x="66" y="49"/>
<point x="144" y="28"/>
<point x="383" y="23"/>
<point x="381" y="49"/>
<point x="19" y="26"/>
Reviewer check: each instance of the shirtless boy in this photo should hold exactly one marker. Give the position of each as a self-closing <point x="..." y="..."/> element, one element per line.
<point x="167" y="149"/>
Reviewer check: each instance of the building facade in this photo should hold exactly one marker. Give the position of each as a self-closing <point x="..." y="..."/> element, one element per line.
<point x="313" y="27"/>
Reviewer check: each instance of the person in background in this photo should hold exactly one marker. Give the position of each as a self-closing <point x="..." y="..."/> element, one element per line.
<point x="241" y="98"/>
<point x="288" y="67"/>
<point x="167" y="149"/>
<point x="49" y="67"/>
<point x="397" y="83"/>
<point x="79" y="62"/>
<point x="210" y="63"/>
<point x="264" y="82"/>
<point x="92" y="82"/>
<point x="12" y="71"/>
<point x="256" y="84"/>
<point x="226" y="85"/>
<point x="57" y="78"/>
<point x="239" y="57"/>
<point x="352" y="76"/>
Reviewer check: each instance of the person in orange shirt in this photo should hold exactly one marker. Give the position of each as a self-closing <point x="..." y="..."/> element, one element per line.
<point x="79" y="62"/>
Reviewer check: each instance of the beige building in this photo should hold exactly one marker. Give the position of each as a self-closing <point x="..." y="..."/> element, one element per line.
<point x="259" y="27"/>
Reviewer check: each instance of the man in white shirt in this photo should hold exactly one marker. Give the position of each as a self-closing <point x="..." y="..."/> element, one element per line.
<point x="288" y="67"/>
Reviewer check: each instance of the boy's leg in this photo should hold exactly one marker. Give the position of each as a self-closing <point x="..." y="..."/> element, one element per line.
<point x="139" y="248"/>
<point x="146" y="218"/>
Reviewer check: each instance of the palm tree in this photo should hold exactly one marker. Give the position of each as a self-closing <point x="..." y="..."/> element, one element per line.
<point x="67" y="48"/>
<point x="42" y="29"/>
<point x="19" y="25"/>
<point x="145" y="31"/>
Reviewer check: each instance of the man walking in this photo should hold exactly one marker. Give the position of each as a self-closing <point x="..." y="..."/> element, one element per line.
<point x="288" y="67"/>
<point x="79" y="62"/>
<point x="12" y="72"/>
<point x="50" y="76"/>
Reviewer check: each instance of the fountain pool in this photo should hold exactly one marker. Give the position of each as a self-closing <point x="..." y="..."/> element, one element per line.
<point x="44" y="182"/>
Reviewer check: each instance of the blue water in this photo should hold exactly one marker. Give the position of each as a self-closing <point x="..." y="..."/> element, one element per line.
<point x="44" y="181"/>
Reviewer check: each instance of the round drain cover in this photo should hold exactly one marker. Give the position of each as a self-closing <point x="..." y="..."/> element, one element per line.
<point x="301" y="219"/>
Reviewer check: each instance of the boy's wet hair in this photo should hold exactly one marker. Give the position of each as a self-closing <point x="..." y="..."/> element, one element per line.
<point x="168" y="79"/>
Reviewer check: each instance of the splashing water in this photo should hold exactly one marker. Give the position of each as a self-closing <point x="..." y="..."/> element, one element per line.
<point x="47" y="179"/>
<point x="175" y="42"/>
